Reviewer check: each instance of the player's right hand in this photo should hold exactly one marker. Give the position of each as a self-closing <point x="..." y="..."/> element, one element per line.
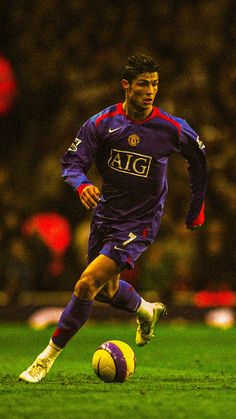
<point x="198" y="221"/>
<point x="89" y="196"/>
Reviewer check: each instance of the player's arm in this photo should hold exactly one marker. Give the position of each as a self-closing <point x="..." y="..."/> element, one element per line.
<point x="193" y="151"/>
<point x="77" y="161"/>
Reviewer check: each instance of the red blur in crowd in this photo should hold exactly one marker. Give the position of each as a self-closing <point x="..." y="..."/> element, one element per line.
<point x="7" y="86"/>
<point x="55" y="232"/>
<point x="221" y="298"/>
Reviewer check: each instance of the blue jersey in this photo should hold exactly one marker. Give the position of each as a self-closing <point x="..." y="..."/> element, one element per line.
<point x="132" y="159"/>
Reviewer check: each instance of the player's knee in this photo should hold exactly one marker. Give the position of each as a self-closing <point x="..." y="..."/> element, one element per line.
<point x="87" y="287"/>
<point x="83" y="290"/>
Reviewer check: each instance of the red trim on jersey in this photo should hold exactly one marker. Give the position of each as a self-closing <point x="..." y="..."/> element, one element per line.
<point x="167" y="118"/>
<point x="145" y="232"/>
<point x="80" y="188"/>
<point x="109" y="114"/>
<point x="152" y="115"/>
<point x="155" y="112"/>
<point x="120" y="111"/>
<point x="199" y="220"/>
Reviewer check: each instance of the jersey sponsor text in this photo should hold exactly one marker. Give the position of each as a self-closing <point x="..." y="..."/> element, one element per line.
<point x="129" y="162"/>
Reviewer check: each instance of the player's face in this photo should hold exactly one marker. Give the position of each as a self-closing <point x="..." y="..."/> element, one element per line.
<point x="141" y="93"/>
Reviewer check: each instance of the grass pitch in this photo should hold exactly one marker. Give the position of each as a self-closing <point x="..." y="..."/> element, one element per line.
<point x="186" y="372"/>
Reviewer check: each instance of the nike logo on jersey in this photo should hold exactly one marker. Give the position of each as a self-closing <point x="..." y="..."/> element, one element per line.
<point x="114" y="129"/>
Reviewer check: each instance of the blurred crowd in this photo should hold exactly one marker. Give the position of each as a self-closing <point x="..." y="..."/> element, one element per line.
<point x="66" y="58"/>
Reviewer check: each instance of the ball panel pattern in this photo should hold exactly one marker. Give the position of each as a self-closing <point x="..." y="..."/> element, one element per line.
<point x="114" y="361"/>
<point x="118" y="358"/>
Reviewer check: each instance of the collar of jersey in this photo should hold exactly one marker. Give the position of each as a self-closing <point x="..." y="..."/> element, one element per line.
<point x="152" y="114"/>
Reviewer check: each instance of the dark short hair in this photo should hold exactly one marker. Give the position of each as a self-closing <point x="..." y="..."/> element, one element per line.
<point x="138" y="64"/>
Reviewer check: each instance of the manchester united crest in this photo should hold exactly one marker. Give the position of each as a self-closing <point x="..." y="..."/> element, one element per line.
<point x="133" y="140"/>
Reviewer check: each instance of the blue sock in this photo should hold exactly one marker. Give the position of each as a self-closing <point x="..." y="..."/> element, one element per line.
<point x="126" y="298"/>
<point x="75" y="314"/>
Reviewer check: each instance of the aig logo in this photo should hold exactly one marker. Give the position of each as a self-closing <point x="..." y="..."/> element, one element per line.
<point x="130" y="163"/>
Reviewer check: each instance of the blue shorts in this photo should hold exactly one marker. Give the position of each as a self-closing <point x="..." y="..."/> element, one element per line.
<point x="117" y="243"/>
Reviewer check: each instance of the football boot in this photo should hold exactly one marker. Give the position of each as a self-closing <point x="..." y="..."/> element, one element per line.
<point x="145" y="328"/>
<point x="37" y="371"/>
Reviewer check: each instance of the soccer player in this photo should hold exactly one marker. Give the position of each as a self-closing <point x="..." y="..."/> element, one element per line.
<point x="130" y="143"/>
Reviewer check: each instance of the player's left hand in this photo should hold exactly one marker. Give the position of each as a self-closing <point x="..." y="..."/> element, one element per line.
<point x="90" y="196"/>
<point x="198" y="221"/>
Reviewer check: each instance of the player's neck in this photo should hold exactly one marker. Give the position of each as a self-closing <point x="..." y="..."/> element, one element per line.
<point x="136" y="114"/>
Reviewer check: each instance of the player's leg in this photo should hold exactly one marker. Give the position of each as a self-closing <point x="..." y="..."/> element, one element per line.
<point x="95" y="276"/>
<point x="126" y="298"/>
<point x="120" y="294"/>
<point x="100" y="271"/>
<point x="125" y="249"/>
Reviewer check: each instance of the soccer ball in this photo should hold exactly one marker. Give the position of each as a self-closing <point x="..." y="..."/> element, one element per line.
<point x="114" y="361"/>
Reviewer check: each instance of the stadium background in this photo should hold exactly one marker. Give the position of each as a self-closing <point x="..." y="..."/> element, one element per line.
<point x="59" y="64"/>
